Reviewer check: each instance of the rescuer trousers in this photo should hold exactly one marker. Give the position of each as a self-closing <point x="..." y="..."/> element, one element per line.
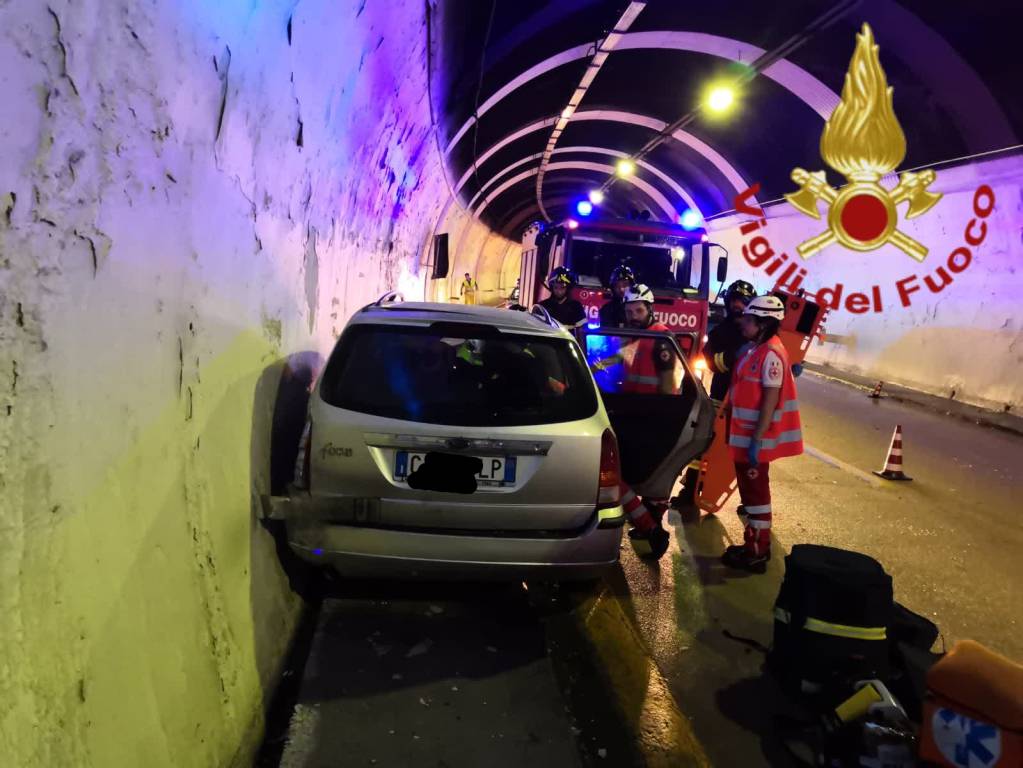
<point x="755" y="510"/>
<point x="637" y="511"/>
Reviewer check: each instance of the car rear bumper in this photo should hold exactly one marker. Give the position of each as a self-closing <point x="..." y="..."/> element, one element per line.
<point x="360" y="551"/>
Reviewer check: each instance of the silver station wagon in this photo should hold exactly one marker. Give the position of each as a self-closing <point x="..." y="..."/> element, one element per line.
<point x="460" y="441"/>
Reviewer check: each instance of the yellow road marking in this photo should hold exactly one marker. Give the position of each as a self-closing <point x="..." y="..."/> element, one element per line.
<point x="663" y="734"/>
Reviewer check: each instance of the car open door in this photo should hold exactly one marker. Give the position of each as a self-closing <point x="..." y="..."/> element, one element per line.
<point x="659" y="433"/>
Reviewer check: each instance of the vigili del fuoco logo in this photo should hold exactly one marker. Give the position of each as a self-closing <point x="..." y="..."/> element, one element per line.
<point x="863" y="141"/>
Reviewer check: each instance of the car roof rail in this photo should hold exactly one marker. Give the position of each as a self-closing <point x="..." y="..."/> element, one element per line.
<point x="391" y="297"/>
<point x="541" y="313"/>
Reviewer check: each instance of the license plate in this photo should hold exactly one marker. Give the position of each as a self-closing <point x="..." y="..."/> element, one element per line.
<point x="497" y="470"/>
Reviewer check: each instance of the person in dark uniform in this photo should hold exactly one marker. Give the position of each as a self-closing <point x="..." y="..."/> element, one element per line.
<point x="612" y="314"/>
<point x="724" y="342"/>
<point x="565" y="310"/>
<point x="721" y="352"/>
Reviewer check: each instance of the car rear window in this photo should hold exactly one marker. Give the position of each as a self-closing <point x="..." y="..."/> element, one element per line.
<point x="462" y="375"/>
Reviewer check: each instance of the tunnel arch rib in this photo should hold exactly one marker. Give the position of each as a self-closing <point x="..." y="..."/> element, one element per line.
<point x="650" y="168"/>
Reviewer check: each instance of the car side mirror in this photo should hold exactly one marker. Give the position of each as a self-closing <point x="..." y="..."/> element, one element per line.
<point x="722" y="268"/>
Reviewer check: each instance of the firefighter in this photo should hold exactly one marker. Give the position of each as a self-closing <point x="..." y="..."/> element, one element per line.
<point x="559" y="305"/>
<point x="725" y="341"/>
<point x="650" y="370"/>
<point x="764" y="425"/>
<point x="468" y="290"/>
<point x="612" y="314"/>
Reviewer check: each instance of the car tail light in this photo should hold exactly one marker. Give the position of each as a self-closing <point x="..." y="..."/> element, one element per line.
<point x="608" y="494"/>
<point x="305" y="447"/>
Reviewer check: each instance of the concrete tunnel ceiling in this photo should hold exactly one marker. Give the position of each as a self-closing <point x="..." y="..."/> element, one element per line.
<point x="508" y="69"/>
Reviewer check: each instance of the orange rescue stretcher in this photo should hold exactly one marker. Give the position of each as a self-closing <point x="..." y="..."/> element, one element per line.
<point x="804" y="320"/>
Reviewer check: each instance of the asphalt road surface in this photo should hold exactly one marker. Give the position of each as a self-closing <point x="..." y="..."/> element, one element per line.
<point x="451" y="676"/>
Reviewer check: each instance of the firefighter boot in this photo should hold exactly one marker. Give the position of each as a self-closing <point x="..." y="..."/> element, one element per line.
<point x="740" y="558"/>
<point x="650" y="545"/>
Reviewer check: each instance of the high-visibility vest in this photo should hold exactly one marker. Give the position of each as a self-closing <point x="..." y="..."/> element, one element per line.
<point x="784" y="435"/>
<point x="641" y="376"/>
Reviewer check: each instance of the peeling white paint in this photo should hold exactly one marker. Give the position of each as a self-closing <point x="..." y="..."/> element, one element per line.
<point x="185" y="199"/>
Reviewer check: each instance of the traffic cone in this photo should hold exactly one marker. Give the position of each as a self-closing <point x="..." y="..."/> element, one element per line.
<point x="893" y="464"/>
<point x="876" y="394"/>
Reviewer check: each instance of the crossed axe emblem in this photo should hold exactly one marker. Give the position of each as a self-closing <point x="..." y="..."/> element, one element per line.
<point x="862" y="216"/>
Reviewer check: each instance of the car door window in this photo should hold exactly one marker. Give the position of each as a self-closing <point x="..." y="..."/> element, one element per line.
<point x="658" y="410"/>
<point x="623" y="364"/>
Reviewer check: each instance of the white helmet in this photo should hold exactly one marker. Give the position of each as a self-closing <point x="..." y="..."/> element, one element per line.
<point x="638" y="292"/>
<point x="766" y="306"/>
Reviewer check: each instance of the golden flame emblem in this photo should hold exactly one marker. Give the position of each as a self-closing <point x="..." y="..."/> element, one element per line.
<point x="863" y="141"/>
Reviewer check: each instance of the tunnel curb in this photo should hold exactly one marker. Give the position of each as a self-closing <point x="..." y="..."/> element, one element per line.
<point x="661" y="732"/>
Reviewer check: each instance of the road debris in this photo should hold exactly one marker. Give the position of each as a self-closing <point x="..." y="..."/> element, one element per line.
<point x="419" y="648"/>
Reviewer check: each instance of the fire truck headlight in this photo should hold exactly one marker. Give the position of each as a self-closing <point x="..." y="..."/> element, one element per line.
<point x="700" y="365"/>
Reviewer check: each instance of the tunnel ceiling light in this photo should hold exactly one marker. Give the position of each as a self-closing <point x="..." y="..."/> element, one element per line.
<point x="690" y="219"/>
<point x="596" y="196"/>
<point x="720" y="99"/>
<point x="584" y="207"/>
<point x="625" y="168"/>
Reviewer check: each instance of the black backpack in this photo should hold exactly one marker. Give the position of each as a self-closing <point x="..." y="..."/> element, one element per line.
<point x="831" y="620"/>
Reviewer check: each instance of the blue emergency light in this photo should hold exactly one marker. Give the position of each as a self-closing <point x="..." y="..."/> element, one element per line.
<point x="690" y="219"/>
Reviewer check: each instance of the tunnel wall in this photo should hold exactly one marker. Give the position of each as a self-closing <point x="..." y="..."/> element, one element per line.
<point x="963" y="341"/>
<point x="192" y="194"/>
<point x="474" y="248"/>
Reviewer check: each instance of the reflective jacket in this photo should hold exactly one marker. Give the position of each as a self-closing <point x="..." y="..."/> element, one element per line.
<point x="784" y="436"/>
<point x="642" y="373"/>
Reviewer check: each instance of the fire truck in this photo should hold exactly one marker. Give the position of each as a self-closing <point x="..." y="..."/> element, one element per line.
<point x="674" y="262"/>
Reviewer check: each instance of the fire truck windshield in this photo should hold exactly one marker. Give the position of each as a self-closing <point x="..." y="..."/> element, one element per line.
<point x="658" y="265"/>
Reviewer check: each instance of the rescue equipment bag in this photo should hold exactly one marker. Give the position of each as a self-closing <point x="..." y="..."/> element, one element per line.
<point x="973" y="712"/>
<point x="910" y="639"/>
<point x="831" y="620"/>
